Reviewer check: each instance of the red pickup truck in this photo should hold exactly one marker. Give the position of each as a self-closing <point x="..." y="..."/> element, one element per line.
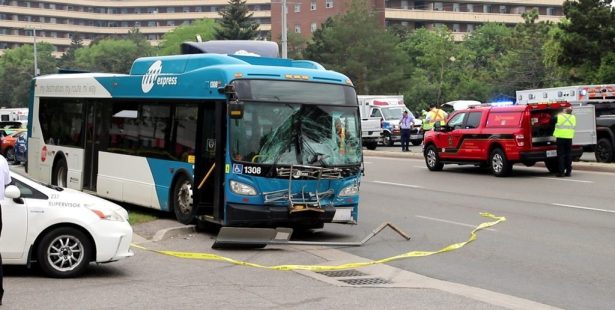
<point x="496" y="137"/>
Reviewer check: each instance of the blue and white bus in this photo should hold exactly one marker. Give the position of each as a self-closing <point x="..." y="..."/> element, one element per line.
<point x="230" y="138"/>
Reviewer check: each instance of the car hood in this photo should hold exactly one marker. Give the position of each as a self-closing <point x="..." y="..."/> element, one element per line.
<point x="87" y="200"/>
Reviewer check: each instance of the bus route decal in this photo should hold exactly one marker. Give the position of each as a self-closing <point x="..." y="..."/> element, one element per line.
<point x="151" y="77"/>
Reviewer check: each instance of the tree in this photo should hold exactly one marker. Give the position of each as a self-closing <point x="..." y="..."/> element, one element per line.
<point x="17" y="71"/>
<point x="523" y="65"/>
<point x="296" y="45"/>
<point x="357" y="45"/>
<point x="586" y="38"/>
<point x="109" y="55"/>
<point x="172" y="40"/>
<point x="236" y="23"/>
<point x="68" y="59"/>
<point x="144" y="48"/>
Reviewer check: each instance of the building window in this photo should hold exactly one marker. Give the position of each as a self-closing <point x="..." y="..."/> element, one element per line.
<point x="171" y="10"/>
<point x="438" y="6"/>
<point x="456" y="7"/>
<point x="486" y="8"/>
<point x="313" y="5"/>
<point x="456" y="28"/>
<point x="170" y="23"/>
<point x="550" y="11"/>
<point x="297" y="7"/>
<point x="470" y="7"/>
<point x="298" y="28"/>
<point x="328" y="4"/>
<point x="404" y="4"/>
<point x="503" y="9"/>
<point x="313" y="27"/>
<point x="470" y="28"/>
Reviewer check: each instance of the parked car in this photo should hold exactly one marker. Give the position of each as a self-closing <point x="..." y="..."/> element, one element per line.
<point x="7" y="146"/>
<point x="21" y="149"/>
<point x="63" y="230"/>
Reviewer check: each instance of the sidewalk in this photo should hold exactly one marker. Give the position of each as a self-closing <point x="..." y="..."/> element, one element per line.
<point x="587" y="162"/>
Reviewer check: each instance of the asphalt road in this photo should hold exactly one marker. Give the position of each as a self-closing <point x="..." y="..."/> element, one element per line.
<point x="556" y="246"/>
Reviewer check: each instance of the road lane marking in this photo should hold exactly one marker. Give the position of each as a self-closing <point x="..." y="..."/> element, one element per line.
<point x="568" y="180"/>
<point x="582" y="208"/>
<point x="449" y="222"/>
<point x="396" y="184"/>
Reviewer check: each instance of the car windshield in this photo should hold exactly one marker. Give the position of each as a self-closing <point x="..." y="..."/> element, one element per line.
<point x="296" y="134"/>
<point x="392" y="113"/>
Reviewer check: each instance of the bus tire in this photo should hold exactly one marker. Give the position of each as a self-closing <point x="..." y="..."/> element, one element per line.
<point x="182" y="202"/>
<point x="59" y="174"/>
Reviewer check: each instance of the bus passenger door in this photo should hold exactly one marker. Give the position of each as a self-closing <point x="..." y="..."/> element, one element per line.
<point x="209" y="166"/>
<point x="96" y="138"/>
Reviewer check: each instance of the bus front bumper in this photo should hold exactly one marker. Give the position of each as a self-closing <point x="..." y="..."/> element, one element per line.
<point x="266" y="215"/>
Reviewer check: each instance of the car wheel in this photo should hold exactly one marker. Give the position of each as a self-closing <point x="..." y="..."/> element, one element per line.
<point x="500" y="166"/>
<point x="432" y="160"/>
<point x="10" y="154"/>
<point x="416" y="142"/>
<point x="182" y="200"/>
<point x="64" y="252"/>
<point x="387" y="139"/>
<point x="604" y="151"/>
<point x="552" y="165"/>
<point x="371" y="145"/>
<point x="59" y="173"/>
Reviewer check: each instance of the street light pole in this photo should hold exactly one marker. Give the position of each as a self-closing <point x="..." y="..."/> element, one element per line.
<point x="284" y="32"/>
<point x="36" y="72"/>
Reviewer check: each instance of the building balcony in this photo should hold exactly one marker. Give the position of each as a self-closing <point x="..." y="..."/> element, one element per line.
<point x="459" y="17"/>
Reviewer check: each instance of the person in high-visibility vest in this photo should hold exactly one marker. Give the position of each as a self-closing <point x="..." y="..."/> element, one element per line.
<point x="434" y="115"/>
<point x="564" y="132"/>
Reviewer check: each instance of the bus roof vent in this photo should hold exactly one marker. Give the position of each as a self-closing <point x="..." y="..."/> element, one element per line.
<point x="233" y="47"/>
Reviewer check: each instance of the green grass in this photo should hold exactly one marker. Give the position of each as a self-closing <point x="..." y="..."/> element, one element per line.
<point x="140" y="216"/>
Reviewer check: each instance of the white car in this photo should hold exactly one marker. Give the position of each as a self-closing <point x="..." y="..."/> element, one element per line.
<point x="61" y="229"/>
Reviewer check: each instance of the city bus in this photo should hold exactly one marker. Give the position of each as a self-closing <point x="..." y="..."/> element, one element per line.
<point x="231" y="137"/>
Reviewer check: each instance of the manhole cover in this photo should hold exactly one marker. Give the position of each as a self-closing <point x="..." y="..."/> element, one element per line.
<point x="365" y="281"/>
<point x="342" y="273"/>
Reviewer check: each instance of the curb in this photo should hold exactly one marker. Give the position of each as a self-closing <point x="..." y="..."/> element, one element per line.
<point x="577" y="165"/>
<point x="172" y="232"/>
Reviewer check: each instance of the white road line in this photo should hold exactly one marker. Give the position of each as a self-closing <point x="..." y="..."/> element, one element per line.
<point x="582" y="208"/>
<point x="396" y="184"/>
<point x="450" y="222"/>
<point x="568" y="180"/>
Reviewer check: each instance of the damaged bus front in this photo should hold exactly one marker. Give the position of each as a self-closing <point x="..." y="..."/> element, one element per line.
<point x="294" y="154"/>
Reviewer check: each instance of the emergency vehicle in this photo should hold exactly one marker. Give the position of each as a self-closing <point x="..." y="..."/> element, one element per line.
<point x="389" y="109"/>
<point x="496" y="137"/>
<point x="594" y="108"/>
<point x="13" y="114"/>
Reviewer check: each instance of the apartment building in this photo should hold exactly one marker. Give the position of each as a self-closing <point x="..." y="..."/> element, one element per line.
<point x="57" y="21"/>
<point x="460" y="16"/>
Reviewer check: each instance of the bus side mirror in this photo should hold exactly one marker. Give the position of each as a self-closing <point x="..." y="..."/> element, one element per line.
<point x="235" y="109"/>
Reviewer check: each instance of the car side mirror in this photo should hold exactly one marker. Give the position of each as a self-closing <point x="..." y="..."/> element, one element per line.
<point x="12" y="192"/>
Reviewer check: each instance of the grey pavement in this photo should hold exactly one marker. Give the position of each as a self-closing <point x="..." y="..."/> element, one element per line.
<point x="587" y="162"/>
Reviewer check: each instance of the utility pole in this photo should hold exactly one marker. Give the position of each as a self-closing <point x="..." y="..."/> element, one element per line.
<point x="284" y="32"/>
<point x="36" y="72"/>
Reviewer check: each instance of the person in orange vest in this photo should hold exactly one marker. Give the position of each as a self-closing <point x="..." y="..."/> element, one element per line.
<point x="341" y="136"/>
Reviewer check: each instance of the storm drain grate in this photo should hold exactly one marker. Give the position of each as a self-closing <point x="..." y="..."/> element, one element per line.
<point x="365" y="281"/>
<point x="342" y="273"/>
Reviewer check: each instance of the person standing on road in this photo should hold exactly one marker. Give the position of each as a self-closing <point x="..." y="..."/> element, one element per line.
<point x="564" y="132"/>
<point x="5" y="179"/>
<point x="405" y="124"/>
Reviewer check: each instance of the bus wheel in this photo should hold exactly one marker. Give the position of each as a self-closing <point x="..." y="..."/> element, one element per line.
<point x="59" y="173"/>
<point x="182" y="200"/>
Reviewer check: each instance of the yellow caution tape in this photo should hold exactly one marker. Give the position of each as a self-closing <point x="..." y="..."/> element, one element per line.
<point x="215" y="257"/>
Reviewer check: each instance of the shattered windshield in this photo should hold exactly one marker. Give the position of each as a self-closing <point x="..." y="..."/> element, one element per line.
<point x="296" y="134"/>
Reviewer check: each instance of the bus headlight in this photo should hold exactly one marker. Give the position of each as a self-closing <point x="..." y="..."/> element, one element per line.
<point x="242" y="189"/>
<point x="349" y="191"/>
